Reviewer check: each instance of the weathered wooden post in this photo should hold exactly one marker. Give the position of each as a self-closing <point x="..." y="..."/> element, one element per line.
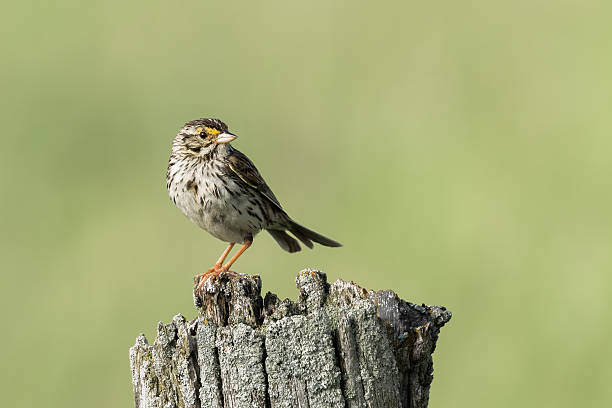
<point x="338" y="345"/>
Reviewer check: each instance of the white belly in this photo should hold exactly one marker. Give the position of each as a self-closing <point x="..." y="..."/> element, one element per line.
<point x="228" y="217"/>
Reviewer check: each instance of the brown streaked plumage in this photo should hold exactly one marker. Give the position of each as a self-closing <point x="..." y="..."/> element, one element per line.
<point x="220" y="190"/>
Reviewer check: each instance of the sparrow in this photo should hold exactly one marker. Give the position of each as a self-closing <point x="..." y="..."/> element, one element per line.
<point x="220" y="190"/>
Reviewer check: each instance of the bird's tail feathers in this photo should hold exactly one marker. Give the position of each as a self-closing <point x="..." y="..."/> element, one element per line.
<point x="285" y="241"/>
<point x="307" y="236"/>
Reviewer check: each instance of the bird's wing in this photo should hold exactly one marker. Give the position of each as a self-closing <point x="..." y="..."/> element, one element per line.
<point x="246" y="171"/>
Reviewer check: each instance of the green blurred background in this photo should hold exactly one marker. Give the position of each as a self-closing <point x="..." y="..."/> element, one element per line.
<point x="461" y="151"/>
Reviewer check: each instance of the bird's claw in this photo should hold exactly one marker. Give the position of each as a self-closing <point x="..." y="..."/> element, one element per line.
<point x="212" y="273"/>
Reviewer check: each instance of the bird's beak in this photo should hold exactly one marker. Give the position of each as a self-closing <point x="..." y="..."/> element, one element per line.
<point x="225" y="137"/>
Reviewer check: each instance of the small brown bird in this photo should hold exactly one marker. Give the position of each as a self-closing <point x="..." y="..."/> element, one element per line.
<point x="221" y="191"/>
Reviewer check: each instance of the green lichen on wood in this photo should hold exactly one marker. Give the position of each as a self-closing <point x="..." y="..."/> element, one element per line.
<point x="301" y="362"/>
<point x="338" y="345"/>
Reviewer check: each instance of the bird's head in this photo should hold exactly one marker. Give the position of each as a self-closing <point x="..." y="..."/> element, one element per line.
<point x="201" y="136"/>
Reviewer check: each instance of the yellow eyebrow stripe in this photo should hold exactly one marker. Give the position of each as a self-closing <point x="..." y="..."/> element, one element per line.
<point x="212" y="131"/>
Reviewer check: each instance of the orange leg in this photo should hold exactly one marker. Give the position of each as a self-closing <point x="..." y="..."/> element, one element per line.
<point x="228" y="265"/>
<point x="223" y="256"/>
<point x="215" y="269"/>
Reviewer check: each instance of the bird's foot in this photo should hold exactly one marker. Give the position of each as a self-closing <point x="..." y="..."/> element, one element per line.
<point x="226" y="271"/>
<point x="212" y="273"/>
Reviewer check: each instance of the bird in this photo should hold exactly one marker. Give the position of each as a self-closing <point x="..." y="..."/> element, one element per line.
<point x="220" y="190"/>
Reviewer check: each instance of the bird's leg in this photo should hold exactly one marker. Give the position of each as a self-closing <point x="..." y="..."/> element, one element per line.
<point x="215" y="269"/>
<point x="228" y="265"/>
<point x="222" y="258"/>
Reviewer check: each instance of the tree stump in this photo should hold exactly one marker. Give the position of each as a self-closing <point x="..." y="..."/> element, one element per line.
<point x="338" y="345"/>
